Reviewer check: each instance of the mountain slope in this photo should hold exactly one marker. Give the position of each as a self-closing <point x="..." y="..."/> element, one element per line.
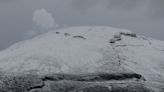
<point x="71" y="50"/>
<point x="87" y="50"/>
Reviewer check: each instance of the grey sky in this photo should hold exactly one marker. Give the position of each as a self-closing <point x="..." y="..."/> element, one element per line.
<point x="141" y="16"/>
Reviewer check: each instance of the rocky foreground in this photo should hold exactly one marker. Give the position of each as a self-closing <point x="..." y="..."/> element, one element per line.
<point x="129" y="82"/>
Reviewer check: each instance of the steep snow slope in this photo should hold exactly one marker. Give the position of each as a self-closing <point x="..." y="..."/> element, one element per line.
<point x="87" y="50"/>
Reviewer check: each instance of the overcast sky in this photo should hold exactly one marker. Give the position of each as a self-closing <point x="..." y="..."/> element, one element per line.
<point x="19" y="19"/>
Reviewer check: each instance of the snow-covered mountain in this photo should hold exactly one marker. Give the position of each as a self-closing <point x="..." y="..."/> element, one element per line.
<point x="77" y="50"/>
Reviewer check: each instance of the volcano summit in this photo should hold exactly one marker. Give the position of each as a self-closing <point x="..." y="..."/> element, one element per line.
<point x="84" y="59"/>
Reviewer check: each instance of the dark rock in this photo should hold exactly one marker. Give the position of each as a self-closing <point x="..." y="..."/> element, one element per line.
<point x="57" y="32"/>
<point x="128" y="34"/>
<point x="19" y="83"/>
<point x="93" y="77"/>
<point x="115" y="38"/>
<point x="67" y="34"/>
<point x="73" y="83"/>
<point x="133" y="87"/>
<point x="95" y="89"/>
<point x="79" y="36"/>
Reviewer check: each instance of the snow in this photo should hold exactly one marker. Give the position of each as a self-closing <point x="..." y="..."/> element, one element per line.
<point x="144" y="57"/>
<point x="59" y="51"/>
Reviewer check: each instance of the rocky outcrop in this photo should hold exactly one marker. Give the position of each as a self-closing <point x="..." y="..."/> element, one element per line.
<point x="74" y="83"/>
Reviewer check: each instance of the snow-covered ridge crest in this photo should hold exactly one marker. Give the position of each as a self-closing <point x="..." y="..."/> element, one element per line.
<point x="86" y="50"/>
